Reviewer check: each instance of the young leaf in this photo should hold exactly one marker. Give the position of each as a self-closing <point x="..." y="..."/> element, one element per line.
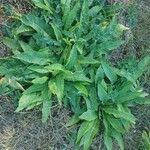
<point x="81" y="88"/>
<point x="72" y="58"/>
<point x="75" y="119"/>
<point x="84" y="128"/>
<point x="119" y="139"/>
<point x="47" y="103"/>
<point x="111" y="75"/>
<point x="41" y="80"/>
<point x="88" y="116"/>
<point x="27" y="100"/>
<point x="102" y="94"/>
<point x="71" y="16"/>
<point x="108" y="142"/>
<point x="56" y="86"/>
<point x="120" y="114"/>
<point x="99" y="75"/>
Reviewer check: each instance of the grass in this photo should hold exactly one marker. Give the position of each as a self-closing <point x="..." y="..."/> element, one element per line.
<point x="25" y="131"/>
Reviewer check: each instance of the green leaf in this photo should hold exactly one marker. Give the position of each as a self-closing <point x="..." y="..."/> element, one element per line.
<point x="81" y="88"/>
<point x="76" y="76"/>
<point x="111" y="75"/>
<point x="85" y="12"/>
<point x="57" y="32"/>
<point x="74" y="120"/>
<point x="46" y="109"/>
<point x="119" y="139"/>
<point x="120" y="114"/>
<point x="31" y="56"/>
<point x="94" y="10"/>
<point x="72" y="15"/>
<point x="108" y="46"/>
<point x="127" y="97"/>
<point x="34" y="88"/>
<point x="41" y="4"/>
<point x="22" y="29"/>
<point x="55" y="67"/>
<point x="39" y="69"/>
<point x="72" y="58"/>
<point x="108" y="142"/>
<point x="27" y="100"/>
<point x="89" y="136"/>
<point x="125" y="74"/>
<point x="102" y="94"/>
<point x="16" y="85"/>
<point x="87" y="60"/>
<point x="99" y="75"/>
<point x="89" y="115"/>
<point x="40" y="80"/>
<point x="116" y="124"/>
<point x="84" y="128"/>
<point x="56" y="86"/>
<point x="12" y="44"/>
<point x="66" y="4"/>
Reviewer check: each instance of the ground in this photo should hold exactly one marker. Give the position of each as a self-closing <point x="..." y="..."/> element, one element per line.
<point x="24" y="131"/>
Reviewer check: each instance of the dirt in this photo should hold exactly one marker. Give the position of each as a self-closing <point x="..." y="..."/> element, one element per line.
<point x="25" y="131"/>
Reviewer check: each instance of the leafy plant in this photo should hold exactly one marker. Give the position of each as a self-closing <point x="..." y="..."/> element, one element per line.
<point x="146" y="139"/>
<point x="59" y="52"/>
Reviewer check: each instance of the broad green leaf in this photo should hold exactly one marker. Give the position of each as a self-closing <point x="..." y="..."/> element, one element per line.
<point x="12" y="44"/>
<point x="22" y="29"/>
<point x="46" y="110"/>
<point x="116" y="124"/>
<point x="99" y="75"/>
<point x="66" y="5"/>
<point x="40" y="80"/>
<point x="111" y="75"/>
<point x="34" y="88"/>
<point x="84" y="128"/>
<point x="120" y="114"/>
<point x="76" y="76"/>
<point x="95" y="10"/>
<point x="85" y="13"/>
<point x="108" y="142"/>
<point x="108" y="46"/>
<point x="81" y="88"/>
<point x="89" y="115"/>
<point x="39" y="69"/>
<point x="31" y="56"/>
<point x="55" y="67"/>
<point x="37" y="24"/>
<point x="102" y="94"/>
<point x="87" y="139"/>
<point x="27" y="100"/>
<point x="127" y="97"/>
<point x="16" y="85"/>
<point x="72" y="15"/>
<point x="118" y="138"/>
<point x="143" y="66"/>
<point x="94" y="103"/>
<point x="72" y="58"/>
<point x="42" y="5"/>
<point x="56" y="86"/>
<point x="87" y="61"/>
<point x="57" y="32"/>
<point x="74" y="120"/>
<point x="125" y="74"/>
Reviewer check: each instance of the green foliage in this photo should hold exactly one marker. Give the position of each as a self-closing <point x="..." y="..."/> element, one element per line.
<point x="59" y="51"/>
<point x="146" y="139"/>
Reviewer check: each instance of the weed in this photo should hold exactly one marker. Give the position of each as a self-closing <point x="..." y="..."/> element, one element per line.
<point x="59" y="53"/>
